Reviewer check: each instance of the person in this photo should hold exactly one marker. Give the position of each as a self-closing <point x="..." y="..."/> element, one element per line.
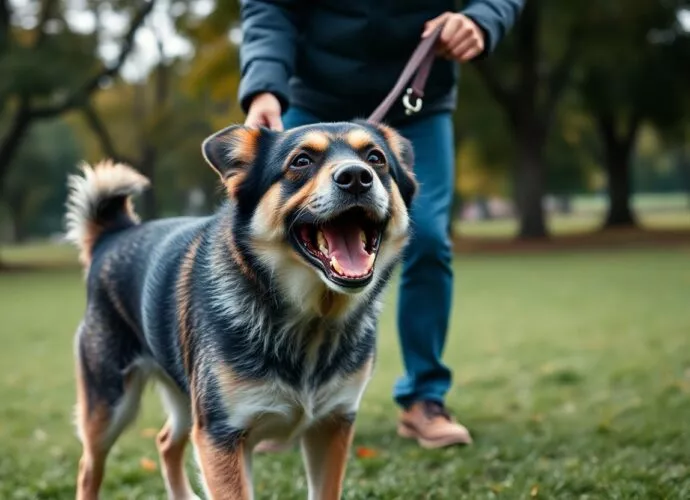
<point x="329" y="60"/>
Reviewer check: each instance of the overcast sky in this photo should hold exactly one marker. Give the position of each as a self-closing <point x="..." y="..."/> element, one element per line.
<point x="145" y="53"/>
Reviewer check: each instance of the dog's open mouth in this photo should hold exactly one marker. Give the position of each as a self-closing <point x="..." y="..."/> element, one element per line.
<point x="344" y="247"/>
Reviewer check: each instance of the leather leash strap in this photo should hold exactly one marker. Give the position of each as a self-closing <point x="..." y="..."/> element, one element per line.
<point x="419" y="67"/>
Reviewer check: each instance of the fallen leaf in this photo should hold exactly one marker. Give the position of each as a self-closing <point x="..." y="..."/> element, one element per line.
<point x="496" y="488"/>
<point x="534" y="491"/>
<point x="40" y="435"/>
<point x="148" y="465"/>
<point x="364" y="452"/>
<point x="149" y="432"/>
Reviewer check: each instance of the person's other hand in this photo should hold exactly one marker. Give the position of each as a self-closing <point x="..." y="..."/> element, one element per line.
<point x="264" y="111"/>
<point x="461" y="39"/>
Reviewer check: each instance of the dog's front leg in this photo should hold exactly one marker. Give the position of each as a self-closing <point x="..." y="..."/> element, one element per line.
<point x="325" y="448"/>
<point x="224" y="462"/>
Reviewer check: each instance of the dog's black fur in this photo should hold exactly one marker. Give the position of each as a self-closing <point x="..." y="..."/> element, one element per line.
<point x="250" y="331"/>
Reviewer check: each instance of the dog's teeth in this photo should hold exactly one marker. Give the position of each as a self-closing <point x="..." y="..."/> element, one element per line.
<point x="371" y="260"/>
<point x="322" y="242"/>
<point x="336" y="266"/>
<point x="363" y="236"/>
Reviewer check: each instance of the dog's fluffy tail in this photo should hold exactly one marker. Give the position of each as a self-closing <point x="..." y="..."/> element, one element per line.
<point x="100" y="200"/>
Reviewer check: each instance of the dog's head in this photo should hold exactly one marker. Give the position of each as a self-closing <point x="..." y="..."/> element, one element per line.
<point x="320" y="210"/>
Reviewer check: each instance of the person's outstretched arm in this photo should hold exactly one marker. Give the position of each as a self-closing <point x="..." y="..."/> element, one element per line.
<point x="476" y="30"/>
<point x="267" y="59"/>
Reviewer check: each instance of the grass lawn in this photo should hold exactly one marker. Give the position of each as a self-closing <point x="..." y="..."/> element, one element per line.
<point x="572" y="371"/>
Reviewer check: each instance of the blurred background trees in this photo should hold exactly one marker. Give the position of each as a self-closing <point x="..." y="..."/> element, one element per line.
<point x="580" y="99"/>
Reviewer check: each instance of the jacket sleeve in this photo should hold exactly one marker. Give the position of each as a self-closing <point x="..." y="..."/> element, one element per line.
<point x="267" y="52"/>
<point x="494" y="17"/>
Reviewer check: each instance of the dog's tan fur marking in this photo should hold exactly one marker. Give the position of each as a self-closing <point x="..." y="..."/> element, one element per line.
<point x="238" y="258"/>
<point x="269" y="207"/>
<point x="92" y="424"/>
<point x="229" y="381"/>
<point x="224" y="470"/>
<point x="333" y="305"/>
<point x="242" y="146"/>
<point x="243" y="143"/>
<point x="316" y="141"/>
<point x="172" y="459"/>
<point x="398" y="214"/>
<point x="104" y="181"/>
<point x="183" y="301"/>
<point x="233" y="183"/>
<point x="359" y="139"/>
<point x="393" y="140"/>
<point x="327" y="445"/>
<point x="301" y="197"/>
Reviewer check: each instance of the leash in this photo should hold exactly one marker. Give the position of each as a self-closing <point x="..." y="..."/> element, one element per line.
<point x="419" y="67"/>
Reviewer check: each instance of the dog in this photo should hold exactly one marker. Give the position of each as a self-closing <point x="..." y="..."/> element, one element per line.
<point x="258" y="322"/>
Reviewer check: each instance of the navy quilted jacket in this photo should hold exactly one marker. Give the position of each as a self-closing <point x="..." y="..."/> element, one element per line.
<point x="339" y="58"/>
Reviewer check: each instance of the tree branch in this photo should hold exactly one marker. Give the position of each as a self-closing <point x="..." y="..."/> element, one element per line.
<point x="47" y="10"/>
<point x="560" y="76"/>
<point x="79" y="96"/>
<point x="630" y="136"/>
<point x="12" y="139"/>
<point x="98" y="127"/>
<point x="5" y="18"/>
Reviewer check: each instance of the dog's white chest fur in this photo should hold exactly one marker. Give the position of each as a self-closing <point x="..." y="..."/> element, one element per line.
<point x="274" y="410"/>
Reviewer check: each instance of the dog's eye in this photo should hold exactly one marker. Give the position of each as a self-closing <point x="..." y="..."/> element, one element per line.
<point x="301" y="161"/>
<point x="376" y="158"/>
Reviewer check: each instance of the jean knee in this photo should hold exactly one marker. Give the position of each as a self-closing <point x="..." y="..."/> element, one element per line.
<point x="429" y="242"/>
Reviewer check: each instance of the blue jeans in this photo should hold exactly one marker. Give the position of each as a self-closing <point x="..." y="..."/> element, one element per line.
<point x="426" y="285"/>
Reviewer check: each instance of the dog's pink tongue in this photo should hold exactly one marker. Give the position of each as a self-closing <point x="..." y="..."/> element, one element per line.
<point x="345" y="244"/>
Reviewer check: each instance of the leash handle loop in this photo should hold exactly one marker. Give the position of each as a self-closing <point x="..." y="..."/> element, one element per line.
<point x="416" y="70"/>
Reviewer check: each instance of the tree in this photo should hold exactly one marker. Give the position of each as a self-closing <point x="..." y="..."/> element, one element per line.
<point x="527" y="77"/>
<point x="483" y="143"/>
<point x="637" y="79"/>
<point x="53" y="70"/>
<point x="128" y="123"/>
<point x="570" y="153"/>
<point x="35" y="185"/>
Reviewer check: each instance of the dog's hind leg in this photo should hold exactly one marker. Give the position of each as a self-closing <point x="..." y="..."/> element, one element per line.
<point x="107" y="402"/>
<point x="172" y="440"/>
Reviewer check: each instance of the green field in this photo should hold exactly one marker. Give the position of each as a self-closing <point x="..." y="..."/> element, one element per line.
<point x="660" y="212"/>
<point x="572" y="371"/>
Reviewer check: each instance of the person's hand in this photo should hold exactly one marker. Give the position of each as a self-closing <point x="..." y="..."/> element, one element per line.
<point x="264" y="111"/>
<point x="461" y="39"/>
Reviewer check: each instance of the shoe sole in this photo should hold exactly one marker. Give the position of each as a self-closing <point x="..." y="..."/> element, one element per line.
<point x="430" y="444"/>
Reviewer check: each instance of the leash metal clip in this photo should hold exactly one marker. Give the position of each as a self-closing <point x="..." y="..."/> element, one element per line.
<point x="409" y="107"/>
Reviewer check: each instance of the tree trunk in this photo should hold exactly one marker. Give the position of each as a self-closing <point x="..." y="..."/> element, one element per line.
<point x="529" y="182"/>
<point x="147" y="153"/>
<point x="13" y="139"/>
<point x="619" y="213"/>
<point x="19" y="233"/>
<point x="618" y="151"/>
<point x="683" y="164"/>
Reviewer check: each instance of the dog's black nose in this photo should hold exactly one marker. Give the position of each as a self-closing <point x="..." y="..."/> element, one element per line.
<point x="355" y="179"/>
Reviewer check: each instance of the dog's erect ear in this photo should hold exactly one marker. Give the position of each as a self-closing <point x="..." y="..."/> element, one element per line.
<point x="232" y="150"/>
<point x="403" y="172"/>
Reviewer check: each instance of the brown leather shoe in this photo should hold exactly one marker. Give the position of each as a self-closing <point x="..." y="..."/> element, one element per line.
<point x="432" y="426"/>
